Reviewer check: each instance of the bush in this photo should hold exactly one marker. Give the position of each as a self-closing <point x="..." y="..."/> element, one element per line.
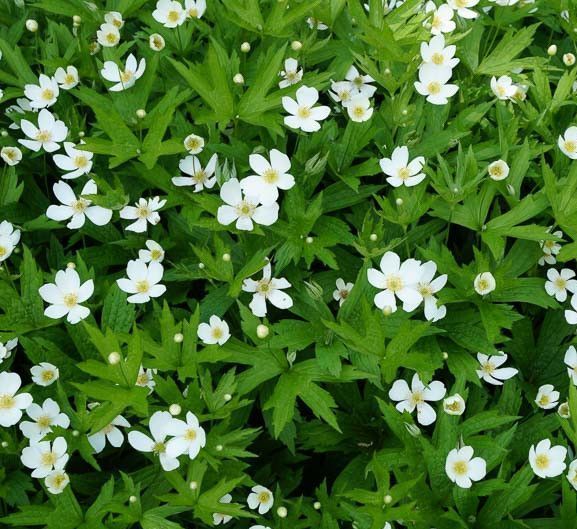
<point x="275" y="264"/>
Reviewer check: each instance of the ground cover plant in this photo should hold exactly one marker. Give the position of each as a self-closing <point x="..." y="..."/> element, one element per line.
<point x="274" y="264"/>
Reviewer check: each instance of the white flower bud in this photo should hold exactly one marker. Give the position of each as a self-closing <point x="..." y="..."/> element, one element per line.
<point x="387" y="310"/>
<point x="75" y="433"/>
<point x="114" y="358"/>
<point x="193" y="485"/>
<point x="141" y="113"/>
<point x="245" y="47"/>
<point x="219" y="448"/>
<point x="238" y="78"/>
<point x="226" y="257"/>
<point x="317" y="505"/>
<point x="569" y="59"/>
<point x="81" y="134"/>
<point x="32" y="25"/>
<point x="309" y="240"/>
<point x="4" y="444"/>
<point x="71" y="265"/>
<point x="404" y="112"/>
<point x="552" y="50"/>
<point x="132" y="499"/>
<point x="76" y="20"/>
<point x="373" y="237"/>
<point x="296" y="45"/>
<point x="227" y="397"/>
<point x="399" y="201"/>
<point x="4" y="133"/>
<point x="388" y="499"/>
<point x="282" y="512"/>
<point x="563" y="410"/>
<point x="262" y="331"/>
<point x="178" y="337"/>
<point x="445" y="355"/>
<point x="201" y="265"/>
<point x="387" y="71"/>
<point x="174" y="409"/>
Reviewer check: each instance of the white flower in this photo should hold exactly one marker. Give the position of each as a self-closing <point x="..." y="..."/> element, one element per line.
<point x="503" y="88"/>
<point x="156" y="42"/>
<point x="547" y="461"/>
<point x="572" y="474"/>
<point x="68" y="78"/>
<point x="187" y="437"/>
<point x="43" y="417"/>
<point x="343" y="290"/>
<point x="434" y="52"/>
<point x="462" y="468"/>
<point x="194" y="144"/>
<point x="361" y="82"/>
<point x="260" y="498"/>
<point x="77" y="208"/>
<point x="342" y="91"/>
<point x="304" y="115"/>
<point x="114" y="18"/>
<point x="547" y="398"/>
<point x="9" y="239"/>
<point x="359" y="109"/>
<point x="244" y="209"/>
<point x="145" y="379"/>
<point x="291" y="73"/>
<point x="143" y="281"/>
<point x="571" y="315"/>
<point x="47" y="135"/>
<point x="44" y="94"/>
<point x="154" y="252"/>
<point x="65" y="295"/>
<point x="145" y="211"/>
<point x="400" y="170"/>
<point x="194" y="8"/>
<point x="498" y="170"/>
<point x="428" y="287"/>
<point x="11" y="155"/>
<point x="112" y="432"/>
<point x="454" y="405"/>
<point x="441" y="20"/>
<point x="216" y="331"/>
<point x="550" y="249"/>
<point x="269" y="178"/>
<point x="571" y="363"/>
<point x="169" y="13"/>
<point x="433" y="84"/>
<point x="199" y="177"/>
<point x="218" y="518"/>
<point x="568" y="143"/>
<point x="484" y="283"/>
<point x="560" y="282"/>
<point x="21" y="107"/>
<point x="158" y="424"/>
<point x="314" y="23"/>
<point x="56" y="481"/>
<point x="126" y="78"/>
<point x="44" y="457"/>
<point x="108" y="35"/>
<point x="462" y="7"/>
<point x="490" y="371"/>
<point x="396" y="280"/>
<point x="44" y="374"/>
<point x="11" y="404"/>
<point x="75" y="161"/>
<point x="268" y="288"/>
<point x="7" y="348"/>
<point x="416" y="397"/>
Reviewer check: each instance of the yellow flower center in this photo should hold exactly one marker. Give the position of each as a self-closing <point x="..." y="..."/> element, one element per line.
<point x="460" y="468"/>
<point x="417" y="398"/>
<point x="434" y="87"/>
<point x="58" y="480"/>
<point x="70" y="300"/>
<point x="80" y="161"/>
<point x="263" y="497"/>
<point x="190" y="434"/>
<point x="143" y="212"/>
<point x="43" y="135"/>
<point x="10" y="154"/>
<point x="483" y="284"/>
<point x="155" y="254"/>
<point x="3" y="251"/>
<point x="193" y="12"/>
<point x="142" y="286"/>
<point x="200" y="176"/>
<point x="173" y="16"/>
<point x="47" y="94"/>
<point x="436" y="22"/>
<point x="496" y="170"/>
<point x="111" y="38"/>
<point x="79" y="205"/>
<point x="263" y="286"/>
<point x="47" y="375"/>
<point x="244" y="209"/>
<point x="48" y="459"/>
<point x="461" y="3"/>
<point x="159" y="448"/>
<point x="270" y="176"/>
<point x="343" y="293"/>
<point x="157" y="42"/>
<point x="404" y="173"/>
<point x="488" y="368"/>
<point x="291" y="75"/>
<point x="438" y="58"/>
<point x="126" y="76"/>
<point x="570" y="146"/>
<point x="542" y="461"/>
<point x="304" y="112"/>
<point x="44" y="421"/>
<point x="544" y="400"/>
<point x="217" y="333"/>
<point x="560" y="283"/>
<point x="394" y="283"/>
<point x="453" y="406"/>
<point x="358" y="111"/>
<point x="7" y="402"/>
<point x="142" y="379"/>
<point x="425" y="289"/>
<point x="192" y="144"/>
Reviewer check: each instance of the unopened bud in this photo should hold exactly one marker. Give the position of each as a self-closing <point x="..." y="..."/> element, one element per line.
<point x="71" y="265"/>
<point x="178" y="337"/>
<point x="552" y="50"/>
<point x="174" y="409"/>
<point x="113" y="358"/>
<point x="373" y="237"/>
<point x="388" y="499"/>
<point x="399" y="201"/>
<point x="282" y="512"/>
<point x="245" y="47"/>
<point x="32" y="25"/>
<point x="296" y="45"/>
<point x="76" y="20"/>
<point x="227" y="397"/>
<point x="193" y="485"/>
<point x="141" y="113"/>
<point x="132" y="499"/>
<point x="262" y="331"/>
<point x="238" y="78"/>
<point x="317" y="505"/>
<point x="387" y="310"/>
<point x="226" y="257"/>
<point x="219" y="448"/>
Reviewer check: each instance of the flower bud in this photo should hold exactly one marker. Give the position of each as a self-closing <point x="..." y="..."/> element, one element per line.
<point x="564" y="411"/>
<point x="245" y="47"/>
<point x="174" y="409"/>
<point x="81" y="134"/>
<point x="201" y="265"/>
<point x="178" y="337"/>
<point x="141" y="113"/>
<point x="114" y="358"/>
<point x="296" y="45"/>
<point x="219" y="448"/>
<point x="4" y="133"/>
<point x="75" y="433"/>
<point x="238" y="79"/>
<point x="4" y="444"/>
<point x="388" y="499"/>
<point x="387" y="310"/>
<point x="309" y="240"/>
<point x="226" y="257"/>
<point x="193" y="485"/>
<point x="227" y="397"/>
<point x="32" y="25"/>
<point x="445" y="355"/>
<point x="71" y="265"/>
<point x="282" y="512"/>
<point x="317" y="505"/>
<point x="262" y="331"/>
<point x="76" y="20"/>
<point x="132" y="499"/>
<point x="373" y="237"/>
<point x="399" y="201"/>
<point x="552" y="50"/>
